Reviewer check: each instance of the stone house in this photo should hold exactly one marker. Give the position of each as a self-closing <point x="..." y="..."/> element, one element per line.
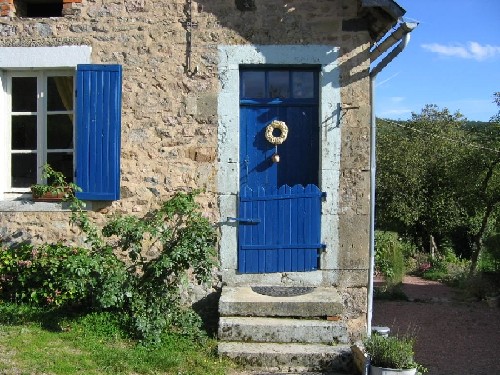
<point x="137" y="99"/>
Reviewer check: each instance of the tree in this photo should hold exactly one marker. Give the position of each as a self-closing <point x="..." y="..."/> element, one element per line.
<point x="414" y="158"/>
<point x="439" y="175"/>
<point x="480" y="190"/>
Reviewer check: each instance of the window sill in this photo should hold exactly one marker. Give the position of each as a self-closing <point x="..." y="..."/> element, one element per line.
<point x="24" y="203"/>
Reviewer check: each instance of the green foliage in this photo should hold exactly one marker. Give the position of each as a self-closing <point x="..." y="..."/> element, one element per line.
<point x="389" y="259"/>
<point x="395" y="352"/>
<point x="490" y="258"/>
<point x="56" y="183"/>
<point x="439" y="175"/>
<point x="482" y="285"/>
<point x="445" y="267"/>
<point x="183" y="239"/>
<point x="55" y="274"/>
<point x="159" y="249"/>
<point x="412" y="161"/>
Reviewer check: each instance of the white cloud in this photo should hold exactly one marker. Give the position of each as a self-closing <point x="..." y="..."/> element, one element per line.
<point x="397" y="99"/>
<point x="472" y="50"/>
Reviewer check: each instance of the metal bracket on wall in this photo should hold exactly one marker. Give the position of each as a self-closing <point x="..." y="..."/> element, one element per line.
<point x="189" y="25"/>
<point x="343" y="108"/>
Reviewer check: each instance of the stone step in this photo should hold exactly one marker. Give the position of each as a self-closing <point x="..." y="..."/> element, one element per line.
<point x="288" y="357"/>
<point x="257" y="329"/>
<point x="243" y="301"/>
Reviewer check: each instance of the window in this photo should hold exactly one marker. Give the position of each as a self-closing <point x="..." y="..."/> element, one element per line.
<point x="40" y="125"/>
<point x="38" y="8"/>
<point x="282" y="84"/>
<point x="71" y="121"/>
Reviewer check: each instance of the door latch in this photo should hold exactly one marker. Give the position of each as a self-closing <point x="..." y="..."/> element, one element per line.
<point x="243" y="220"/>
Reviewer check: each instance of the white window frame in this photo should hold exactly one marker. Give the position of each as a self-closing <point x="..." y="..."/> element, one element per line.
<point x="41" y="124"/>
<point x="29" y="58"/>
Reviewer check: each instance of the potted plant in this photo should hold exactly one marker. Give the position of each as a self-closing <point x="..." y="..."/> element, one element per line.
<point x="392" y="355"/>
<point x="56" y="189"/>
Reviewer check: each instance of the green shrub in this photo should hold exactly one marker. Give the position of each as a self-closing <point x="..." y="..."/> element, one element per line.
<point x="482" y="285"/>
<point x="389" y="259"/>
<point x="395" y="352"/>
<point x="159" y="248"/>
<point x="490" y="256"/>
<point x="446" y="267"/>
<point x="55" y="274"/>
<point x="184" y="240"/>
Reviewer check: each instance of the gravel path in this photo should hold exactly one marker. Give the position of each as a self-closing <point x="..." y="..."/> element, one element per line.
<point x="453" y="337"/>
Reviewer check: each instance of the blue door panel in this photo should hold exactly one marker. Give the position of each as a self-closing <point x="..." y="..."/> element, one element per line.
<point x="284" y="238"/>
<point x="282" y="199"/>
<point x="299" y="154"/>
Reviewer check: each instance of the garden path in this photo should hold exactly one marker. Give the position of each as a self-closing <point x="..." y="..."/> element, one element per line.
<point x="454" y="336"/>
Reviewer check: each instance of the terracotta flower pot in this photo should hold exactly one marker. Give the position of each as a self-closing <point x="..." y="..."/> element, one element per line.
<point x="50" y="196"/>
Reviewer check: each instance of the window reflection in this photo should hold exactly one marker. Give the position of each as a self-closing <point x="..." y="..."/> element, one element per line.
<point x="24" y="92"/>
<point x="303" y="84"/>
<point x="253" y="84"/>
<point x="23" y="167"/>
<point x="63" y="162"/>
<point x="59" y="132"/>
<point x="60" y="93"/>
<point x="279" y="84"/>
<point x="282" y="84"/>
<point x="23" y="133"/>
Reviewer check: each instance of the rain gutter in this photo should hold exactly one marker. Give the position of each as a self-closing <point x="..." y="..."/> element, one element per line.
<point x="401" y="35"/>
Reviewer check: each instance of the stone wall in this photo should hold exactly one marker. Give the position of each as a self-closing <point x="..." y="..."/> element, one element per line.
<point x="169" y="117"/>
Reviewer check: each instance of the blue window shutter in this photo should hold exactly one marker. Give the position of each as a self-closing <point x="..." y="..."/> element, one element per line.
<point x="98" y="130"/>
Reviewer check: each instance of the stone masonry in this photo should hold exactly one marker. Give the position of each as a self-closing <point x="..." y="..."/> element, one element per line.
<point x="169" y="110"/>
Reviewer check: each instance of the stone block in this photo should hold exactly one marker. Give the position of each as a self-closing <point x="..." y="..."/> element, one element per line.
<point x="257" y="329"/>
<point x="288" y="357"/>
<point x="206" y="105"/>
<point x="243" y="301"/>
<point x="354" y="241"/>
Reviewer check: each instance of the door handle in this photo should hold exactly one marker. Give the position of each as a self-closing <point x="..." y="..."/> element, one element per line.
<point x="244" y="220"/>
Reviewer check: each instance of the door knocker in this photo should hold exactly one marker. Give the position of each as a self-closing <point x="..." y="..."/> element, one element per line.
<point x="276" y="140"/>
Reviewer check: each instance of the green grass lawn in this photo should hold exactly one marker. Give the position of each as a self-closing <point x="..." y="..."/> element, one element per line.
<point x="36" y="341"/>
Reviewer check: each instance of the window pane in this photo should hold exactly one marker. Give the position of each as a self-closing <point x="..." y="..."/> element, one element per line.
<point x="59" y="131"/>
<point x="59" y="93"/>
<point x="253" y="84"/>
<point x="62" y="162"/>
<point x="43" y="9"/>
<point x="23" y="133"/>
<point x="279" y="85"/>
<point x="23" y="167"/>
<point x="303" y="84"/>
<point x="24" y="94"/>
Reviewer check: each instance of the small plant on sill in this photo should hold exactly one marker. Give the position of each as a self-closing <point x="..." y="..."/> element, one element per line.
<point x="56" y="188"/>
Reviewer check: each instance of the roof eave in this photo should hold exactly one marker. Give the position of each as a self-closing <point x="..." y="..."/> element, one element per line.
<point x="381" y="16"/>
<point x="389" y="6"/>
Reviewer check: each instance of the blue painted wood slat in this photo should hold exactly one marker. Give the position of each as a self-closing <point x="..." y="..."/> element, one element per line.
<point x="98" y="131"/>
<point x="287" y="238"/>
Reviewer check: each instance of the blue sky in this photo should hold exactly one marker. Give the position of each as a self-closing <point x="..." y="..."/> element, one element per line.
<point x="452" y="60"/>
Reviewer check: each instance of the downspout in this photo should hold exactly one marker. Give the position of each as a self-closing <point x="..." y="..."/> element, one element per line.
<point x="402" y="32"/>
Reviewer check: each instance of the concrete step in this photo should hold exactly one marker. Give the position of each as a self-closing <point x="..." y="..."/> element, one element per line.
<point x="288" y="357"/>
<point x="243" y="301"/>
<point x="257" y="329"/>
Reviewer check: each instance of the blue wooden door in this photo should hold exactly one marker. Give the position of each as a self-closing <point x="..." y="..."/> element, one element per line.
<point x="280" y="203"/>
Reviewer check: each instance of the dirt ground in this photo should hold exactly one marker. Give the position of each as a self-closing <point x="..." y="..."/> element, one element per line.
<point x="454" y="337"/>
